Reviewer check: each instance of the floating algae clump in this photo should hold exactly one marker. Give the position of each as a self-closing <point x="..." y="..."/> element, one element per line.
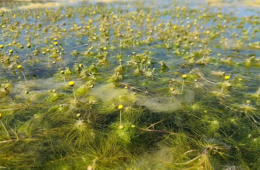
<point x="167" y="103"/>
<point x="108" y="92"/>
<point x="103" y="85"/>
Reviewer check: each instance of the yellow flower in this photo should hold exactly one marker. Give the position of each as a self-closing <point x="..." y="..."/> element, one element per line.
<point x="90" y="167"/>
<point x="227" y="77"/>
<point x="55" y="43"/>
<point x="105" y="48"/>
<point x="0" y="115"/>
<point x="1" y="46"/>
<point x="71" y="83"/>
<point x="19" y="66"/>
<point x="171" y="89"/>
<point x="121" y="127"/>
<point x="184" y="76"/>
<point x="120" y="107"/>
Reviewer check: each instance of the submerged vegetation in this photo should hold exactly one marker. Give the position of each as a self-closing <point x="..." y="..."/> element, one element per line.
<point x="129" y="85"/>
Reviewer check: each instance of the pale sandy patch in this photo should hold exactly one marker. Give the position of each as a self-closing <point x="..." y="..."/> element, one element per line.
<point x="40" y="5"/>
<point x="4" y="9"/>
<point x="234" y="3"/>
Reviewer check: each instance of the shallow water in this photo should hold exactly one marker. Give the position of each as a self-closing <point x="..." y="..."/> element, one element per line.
<point x="129" y="85"/>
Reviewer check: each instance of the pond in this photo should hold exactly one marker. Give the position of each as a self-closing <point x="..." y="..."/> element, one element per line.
<point x="102" y="85"/>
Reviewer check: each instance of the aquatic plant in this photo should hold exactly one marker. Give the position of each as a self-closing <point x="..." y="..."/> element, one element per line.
<point x="129" y="85"/>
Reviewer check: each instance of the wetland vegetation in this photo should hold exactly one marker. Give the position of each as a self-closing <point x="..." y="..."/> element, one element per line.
<point x="134" y="85"/>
